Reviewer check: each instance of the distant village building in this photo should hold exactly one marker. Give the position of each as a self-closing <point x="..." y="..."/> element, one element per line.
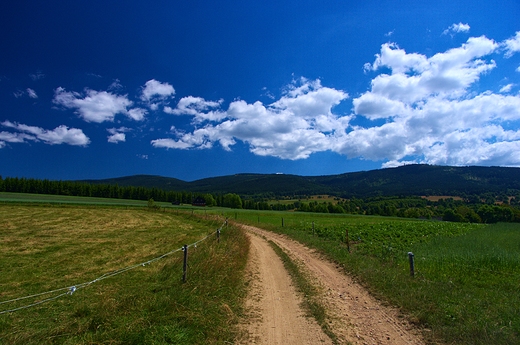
<point x="199" y="201"/>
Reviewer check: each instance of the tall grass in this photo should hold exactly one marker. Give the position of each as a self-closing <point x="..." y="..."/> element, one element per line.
<point x="474" y="283"/>
<point x="43" y="248"/>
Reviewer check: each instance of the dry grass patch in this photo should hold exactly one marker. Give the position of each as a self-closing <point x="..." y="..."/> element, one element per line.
<point x="46" y="248"/>
<point x="51" y="247"/>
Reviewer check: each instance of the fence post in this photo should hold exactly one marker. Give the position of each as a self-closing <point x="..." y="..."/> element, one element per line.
<point x="185" y="263"/>
<point x="412" y="265"/>
<point x="218" y="235"/>
<point x="347" y="240"/>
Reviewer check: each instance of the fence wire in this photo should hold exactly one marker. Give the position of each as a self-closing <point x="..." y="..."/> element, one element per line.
<point x="69" y="290"/>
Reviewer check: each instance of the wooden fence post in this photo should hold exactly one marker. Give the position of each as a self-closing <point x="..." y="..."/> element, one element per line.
<point x="412" y="264"/>
<point x="185" y="263"/>
<point x="347" y="240"/>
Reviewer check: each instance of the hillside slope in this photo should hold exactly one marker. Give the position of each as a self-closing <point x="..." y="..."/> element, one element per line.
<point x="405" y="180"/>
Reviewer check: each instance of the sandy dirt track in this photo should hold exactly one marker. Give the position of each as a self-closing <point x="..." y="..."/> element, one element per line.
<point x="274" y="315"/>
<point x="273" y="304"/>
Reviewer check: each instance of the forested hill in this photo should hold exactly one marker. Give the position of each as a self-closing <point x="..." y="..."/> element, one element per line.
<point x="404" y="180"/>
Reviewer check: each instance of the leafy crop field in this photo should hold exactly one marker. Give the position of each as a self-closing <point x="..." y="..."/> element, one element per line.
<point x="43" y="248"/>
<point x="466" y="288"/>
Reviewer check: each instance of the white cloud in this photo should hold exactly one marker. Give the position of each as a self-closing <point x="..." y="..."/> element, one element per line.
<point x="507" y="88"/>
<point x="13" y="137"/>
<point x="155" y="90"/>
<point x="115" y="85"/>
<point x="456" y="28"/>
<point x="518" y="69"/>
<point x="512" y="45"/>
<point x="423" y="109"/>
<point x="197" y="107"/>
<point x="298" y="124"/>
<point x="60" y="135"/>
<point x="31" y="93"/>
<point x="117" y="134"/>
<point x="97" y="106"/>
<point x="137" y="114"/>
<point x="431" y="113"/>
<point x="117" y="137"/>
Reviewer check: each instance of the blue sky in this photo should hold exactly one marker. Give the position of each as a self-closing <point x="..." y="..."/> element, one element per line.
<point x="194" y="89"/>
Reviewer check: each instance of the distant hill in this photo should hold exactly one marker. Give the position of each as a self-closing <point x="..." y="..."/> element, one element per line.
<point x="147" y="181"/>
<point x="405" y="180"/>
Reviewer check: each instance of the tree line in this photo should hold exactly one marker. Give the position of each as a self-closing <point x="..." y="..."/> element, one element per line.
<point x="486" y="208"/>
<point x="73" y="188"/>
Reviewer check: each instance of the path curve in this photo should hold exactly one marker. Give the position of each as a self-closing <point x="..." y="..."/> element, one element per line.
<point x="355" y="316"/>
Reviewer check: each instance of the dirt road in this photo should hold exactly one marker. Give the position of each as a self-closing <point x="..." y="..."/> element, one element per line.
<point x="275" y="316"/>
<point x="273" y="305"/>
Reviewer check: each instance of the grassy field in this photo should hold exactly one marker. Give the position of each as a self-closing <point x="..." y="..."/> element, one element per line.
<point x="43" y="248"/>
<point x="466" y="289"/>
<point x="71" y="200"/>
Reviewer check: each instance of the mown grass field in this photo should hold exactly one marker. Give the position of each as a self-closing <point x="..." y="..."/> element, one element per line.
<point x="45" y="247"/>
<point x="71" y="200"/>
<point x="466" y="288"/>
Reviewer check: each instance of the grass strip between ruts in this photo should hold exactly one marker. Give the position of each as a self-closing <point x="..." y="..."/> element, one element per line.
<point x="310" y="293"/>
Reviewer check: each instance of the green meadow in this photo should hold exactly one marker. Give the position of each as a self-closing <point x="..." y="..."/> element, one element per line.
<point x="465" y="289"/>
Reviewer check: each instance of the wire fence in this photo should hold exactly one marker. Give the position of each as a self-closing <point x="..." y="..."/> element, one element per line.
<point x="69" y="290"/>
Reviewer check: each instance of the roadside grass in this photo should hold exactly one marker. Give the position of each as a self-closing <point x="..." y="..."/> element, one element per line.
<point x="466" y="289"/>
<point x="311" y="302"/>
<point x="43" y="248"/>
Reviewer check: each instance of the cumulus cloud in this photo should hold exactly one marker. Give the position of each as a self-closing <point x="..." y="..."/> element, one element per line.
<point x="432" y="113"/>
<point x="420" y="109"/>
<point x="512" y="45"/>
<point x="97" y="106"/>
<point x="456" y="28"/>
<point x="155" y="90"/>
<point x="60" y="135"/>
<point x="117" y="134"/>
<point x="199" y="108"/>
<point x="295" y="126"/>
